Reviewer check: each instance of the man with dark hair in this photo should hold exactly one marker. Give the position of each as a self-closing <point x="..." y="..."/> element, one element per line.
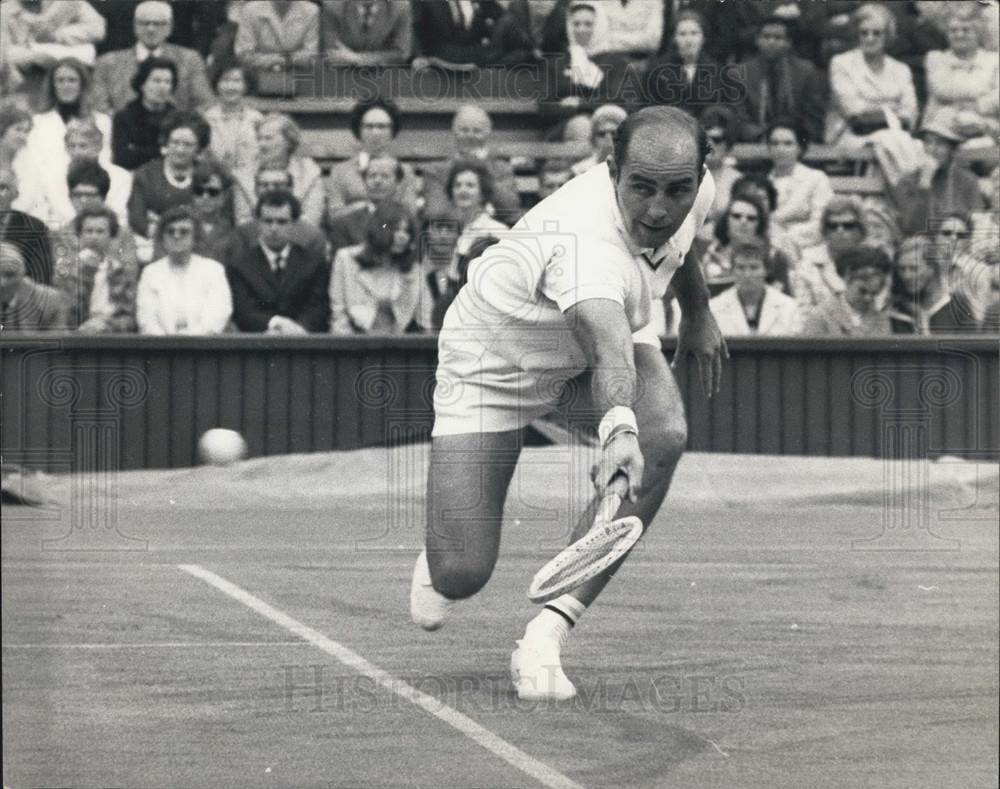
<point x="776" y="84"/>
<point x="278" y="286"/>
<point x="572" y="315"/>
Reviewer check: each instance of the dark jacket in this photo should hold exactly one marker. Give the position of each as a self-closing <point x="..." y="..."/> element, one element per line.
<point x="300" y="293"/>
<point x="759" y="108"/>
<point x="438" y="35"/>
<point x="31" y="237"/>
<point x="135" y="135"/>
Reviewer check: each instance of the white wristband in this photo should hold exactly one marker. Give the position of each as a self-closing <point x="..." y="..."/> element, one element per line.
<point x="617" y="417"/>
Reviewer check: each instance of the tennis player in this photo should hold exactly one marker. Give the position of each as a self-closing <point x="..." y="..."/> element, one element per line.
<point x="568" y="293"/>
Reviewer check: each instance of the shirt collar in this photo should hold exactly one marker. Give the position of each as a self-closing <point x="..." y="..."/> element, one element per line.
<point x="653" y="255"/>
<point x="273" y="257"/>
<point x="142" y="51"/>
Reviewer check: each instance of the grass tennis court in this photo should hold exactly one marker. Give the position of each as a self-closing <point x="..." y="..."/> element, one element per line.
<point x="767" y="633"/>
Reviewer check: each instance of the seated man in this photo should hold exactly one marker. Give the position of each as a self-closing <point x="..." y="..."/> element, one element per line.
<point x="632" y="31"/>
<point x="247" y="235"/>
<point x="974" y="305"/>
<point x="751" y="306"/>
<point x="27" y="233"/>
<point x="367" y="32"/>
<point x="855" y="312"/>
<point x="84" y="141"/>
<point x="278" y="33"/>
<point x="776" y="84"/>
<point x="114" y="71"/>
<point x="942" y="186"/>
<point x="471" y="129"/>
<point x="382" y="177"/>
<point x="24" y="304"/>
<point x="278" y="286"/>
<point x="99" y="287"/>
<point x="455" y="33"/>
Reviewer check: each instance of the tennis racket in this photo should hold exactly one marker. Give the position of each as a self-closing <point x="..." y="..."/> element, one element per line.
<point x="606" y="542"/>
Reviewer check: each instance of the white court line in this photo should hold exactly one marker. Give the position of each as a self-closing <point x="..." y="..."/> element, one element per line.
<point x="545" y="775"/>
<point x="161" y="645"/>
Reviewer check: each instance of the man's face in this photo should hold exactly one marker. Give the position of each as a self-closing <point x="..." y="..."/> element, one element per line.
<point x="8" y="189"/>
<point x="863" y="288"/>
<point x="152" y="26"/>
<point x="275" y="225"/>
<point x="271" y="181"/>
<point x="471" y="129"/>
<point x="440" y="240"/>
<point x="657" y="183"/>
<point x="842" y="232"/>
<point x="749" y="275"/>
<point x="380" y="179"/>
<point x="772" y="41"/>
<point x="376" y="130"/>
<point x="79" y="146"/>
<point x="96" y="234"/>
<point x="551" y="181"/>
<point x="11" y="272"/>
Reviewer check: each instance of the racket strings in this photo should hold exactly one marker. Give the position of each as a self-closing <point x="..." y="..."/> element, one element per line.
<point x="598" y="548"/>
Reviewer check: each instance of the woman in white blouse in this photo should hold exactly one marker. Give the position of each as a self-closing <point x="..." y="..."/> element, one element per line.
<point x="803" y="192"/>
<point x="470" y="190"/>
<point x="965" y="77"/>
<point x="376" y="288"/>
<point x="182" y="293"/>
<point x="865" y="82"/>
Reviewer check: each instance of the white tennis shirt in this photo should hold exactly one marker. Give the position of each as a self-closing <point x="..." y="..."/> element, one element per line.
<point x="571" y="247"/>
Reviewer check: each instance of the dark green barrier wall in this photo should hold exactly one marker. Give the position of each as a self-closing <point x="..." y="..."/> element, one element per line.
<point x="142" y="402"/>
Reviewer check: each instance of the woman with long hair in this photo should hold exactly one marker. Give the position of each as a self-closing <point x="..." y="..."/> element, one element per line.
<point x="685" y="76"/>
<point x="470" y="192"/>
<point x="376" y="287"/>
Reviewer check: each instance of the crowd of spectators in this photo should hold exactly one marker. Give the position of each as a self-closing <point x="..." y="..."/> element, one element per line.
<point x="143" y="187"/>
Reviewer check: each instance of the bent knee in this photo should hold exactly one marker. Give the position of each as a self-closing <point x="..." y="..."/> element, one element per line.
<point x="456" y="577"/>
<point x="664" y="447"/>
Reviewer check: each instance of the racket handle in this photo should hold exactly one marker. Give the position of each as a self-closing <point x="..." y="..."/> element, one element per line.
<point x="614" y="494"/>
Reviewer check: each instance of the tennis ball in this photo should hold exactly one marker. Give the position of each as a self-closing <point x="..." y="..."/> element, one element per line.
<point x="220" y="447"/>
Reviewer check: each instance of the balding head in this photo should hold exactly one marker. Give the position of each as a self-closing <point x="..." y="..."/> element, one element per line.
<point x="657" y="169"/>
<point x="12" y="270"/>
<point x="472" y="128"/>
<point x="153" y="23"/>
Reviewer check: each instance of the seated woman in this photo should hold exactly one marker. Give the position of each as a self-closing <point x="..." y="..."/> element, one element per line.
<point x="99" y="285"/>
<point x="803" y="192"/>
<point x="817" y="271"/>
<point x="182" y="293"/>
<point x="966" y="77"/>
<point x="376" y="288"/>
<point x="233" y="121"/>
<point x="918" y="290"/>
<point x="745" y="222"/>
<point x="211" y="202"/>
<point x="135" y="128"/>
<point x="865" y="82"/>
<point x="721" y="127"/>
<point x="603" y="124"/>
<point x="15" y="129"/>
<point x="685" y="76"/>
<point x="470" y="192"/>
<point x="751" y="306"/>
<point x="279" y="139"/>
<point x="65" y="98"/>
<point x="166" y="182"/>
<point x="278" y="34"/>
<point x="375" y="123"/>
<point x="856" y="312"/>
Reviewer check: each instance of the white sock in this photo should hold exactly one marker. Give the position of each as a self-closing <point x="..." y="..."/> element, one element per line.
<point x="556" y="619"/>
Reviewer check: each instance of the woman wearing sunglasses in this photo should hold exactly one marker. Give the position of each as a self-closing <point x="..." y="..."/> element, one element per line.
<point x="182" y="292"/>
<point x="211" y="202"/>
<point x="818" y="272"/>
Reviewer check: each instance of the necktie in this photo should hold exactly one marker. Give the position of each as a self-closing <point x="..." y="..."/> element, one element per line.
<point x="459" y="14"/>
<point x="366" y="17"/>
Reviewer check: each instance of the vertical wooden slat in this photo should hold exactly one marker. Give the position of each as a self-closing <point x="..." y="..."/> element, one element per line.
<point x="724" y="412"/>
<point x="255" y="415"/>
<point x="323" y="372"/>
<point x="792" y="399"/>
<point x="770" y="417"/>
<point x="698" y="408"/>
<point x="348" y="411"/>
<point x="842" y="408"/>
<point x="276" y="402"/>
<point x="817" y="406"/>
<point x="158" y="414"/>
<point x="743" y="372"/>
<point x="133" y="420"/>
<point x="302" y="419"/>
<point x="206" y="399"/>
<point x="182" y="410"/>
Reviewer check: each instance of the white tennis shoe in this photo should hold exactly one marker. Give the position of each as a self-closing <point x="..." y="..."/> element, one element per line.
<point x="428" y="607"/>
<point x="537" y="672"/>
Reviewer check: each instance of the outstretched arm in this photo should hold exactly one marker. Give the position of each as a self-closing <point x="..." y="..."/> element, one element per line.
<point x="699" y="333"/>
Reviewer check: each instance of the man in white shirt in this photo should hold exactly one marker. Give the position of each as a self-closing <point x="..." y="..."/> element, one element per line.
<point x="568" y="292"/>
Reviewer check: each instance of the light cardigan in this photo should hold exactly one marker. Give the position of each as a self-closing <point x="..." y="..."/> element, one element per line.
<point x="194" y="301"/>
<point x="779" y="314"/>
<point x="971" y="85"/>
<point x="802" y="197"/>
<point x="355" y="295"/>
<point x="234" y="137"/>
<point x="855" y="88"/>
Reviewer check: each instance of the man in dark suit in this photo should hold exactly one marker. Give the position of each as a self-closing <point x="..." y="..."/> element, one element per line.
<point x="27" y="233"/>
<point x="278" y="286"/>
<point x="777" y="84"/>
<point x="24" y="304"/>
<point x="455" y="32"/>
<point x="367" y="32"/>
<point x="113" y="71"/>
